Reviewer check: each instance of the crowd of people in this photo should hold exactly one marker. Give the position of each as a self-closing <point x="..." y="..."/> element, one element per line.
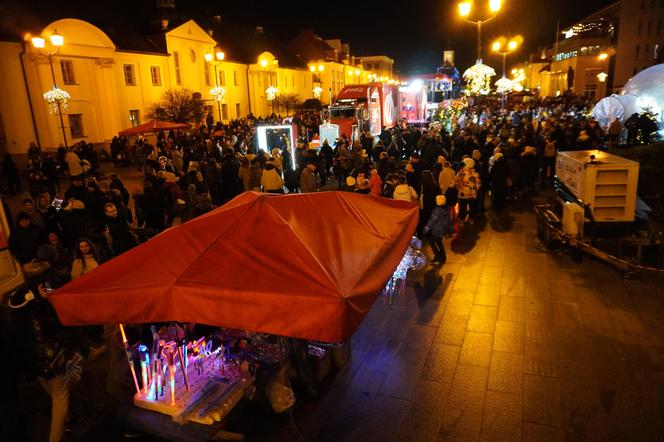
<point x="488" y="158"/>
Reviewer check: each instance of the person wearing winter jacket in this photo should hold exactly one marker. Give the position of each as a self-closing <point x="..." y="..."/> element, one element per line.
<point x="469" y="184"/>
<point x="438" y="225"/>
<point x="271" y="180"/>
<point x="376" y="183"/>
<point x="404" y="192"/>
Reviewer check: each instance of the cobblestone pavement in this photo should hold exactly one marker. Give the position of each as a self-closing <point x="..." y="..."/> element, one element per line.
<point x="504" y="342"/>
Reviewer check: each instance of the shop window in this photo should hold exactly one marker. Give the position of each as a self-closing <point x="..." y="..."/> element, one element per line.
<point x="134" y="117"/>
<point x="76" y="125"/>
<point x="67" y="68"/>
<point x="155" y="75"/>
<point x="176" y="63"/>
<point x="130" y="78"/>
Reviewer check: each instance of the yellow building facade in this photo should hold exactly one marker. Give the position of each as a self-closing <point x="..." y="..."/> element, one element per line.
<point x="112" y="89"/>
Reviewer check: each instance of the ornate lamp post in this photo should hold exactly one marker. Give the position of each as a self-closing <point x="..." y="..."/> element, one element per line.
<point x="503" y="46"/>
<point x="56" y="97"/>
<point x="465" y="9"/>
<point x="217" y="92"/>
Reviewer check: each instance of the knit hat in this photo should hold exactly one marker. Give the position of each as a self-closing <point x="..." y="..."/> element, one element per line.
<point x="440" y="200"/>
<point x="350" y="181"/>
<point x="469" y="163"/>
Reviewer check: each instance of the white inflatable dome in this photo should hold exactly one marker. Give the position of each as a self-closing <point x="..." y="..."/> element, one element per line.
<point x="644" y="90"/>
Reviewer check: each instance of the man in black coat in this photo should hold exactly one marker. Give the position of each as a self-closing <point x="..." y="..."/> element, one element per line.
<point x="116" y="227"/>
<point x="498" y="178"/>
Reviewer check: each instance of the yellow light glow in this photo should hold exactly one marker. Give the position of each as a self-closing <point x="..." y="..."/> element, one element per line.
<point x="208" y="57"/>
<point x="312" y="68"/>
<point x="38" y="42"/>
<point x="602" y="76"/>
<point x="464" y="9"/>
<point x="220" y="55"/>
<point x="357" y="72"/>
<point x="603" y="56"/>
<point x="515" y="71"/>
<point x="496" y="45"/>
<point x="512" y="45"/>
<point x="494" y="5"/>
<point x="57" y="39"/>
<point x="321" y="68"/>
<point x="263" y="63"/>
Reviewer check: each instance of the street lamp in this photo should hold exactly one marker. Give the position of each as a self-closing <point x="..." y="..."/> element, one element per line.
<point x="504" y="47"/>
<point x="465" y="9"/>
<point x="217" y="92"/>
<point x="56" y="97"/>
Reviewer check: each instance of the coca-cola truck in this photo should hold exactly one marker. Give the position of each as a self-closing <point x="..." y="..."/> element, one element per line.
<point x="365" y="107"/>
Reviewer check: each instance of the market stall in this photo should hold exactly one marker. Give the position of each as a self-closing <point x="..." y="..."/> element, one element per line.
<point x="306" y="266"/>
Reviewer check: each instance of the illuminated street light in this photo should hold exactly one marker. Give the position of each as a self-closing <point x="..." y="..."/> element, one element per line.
<point x="504" y="47"/>
<point x="263" y="63"/>
<point x="465" y="8"/>
<point x="57" y="98"/>
<point x="321" y="67"/>
<point x="603" y="56"/>
<point x="602" y="76"/>
<point x="217" y="92"/>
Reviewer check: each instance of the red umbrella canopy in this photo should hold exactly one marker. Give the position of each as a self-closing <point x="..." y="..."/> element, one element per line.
<point x="304" y="265"/>
<point x="152" y="127"/>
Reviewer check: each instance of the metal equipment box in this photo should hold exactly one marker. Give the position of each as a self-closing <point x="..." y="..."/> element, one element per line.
<point x="606" y="182"/>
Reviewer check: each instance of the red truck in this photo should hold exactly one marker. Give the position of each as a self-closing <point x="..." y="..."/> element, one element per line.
<point x="363" y="107"/>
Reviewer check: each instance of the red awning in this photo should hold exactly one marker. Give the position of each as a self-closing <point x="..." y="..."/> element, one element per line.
<point x="305" y="265"/>
<point x="153" y="127"/>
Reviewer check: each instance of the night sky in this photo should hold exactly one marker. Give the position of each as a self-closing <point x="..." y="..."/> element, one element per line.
<point x="414" y="33"/>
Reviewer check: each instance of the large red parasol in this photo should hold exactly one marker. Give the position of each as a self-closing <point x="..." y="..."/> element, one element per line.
<point x="153" y="126"/>
<point x="304" y="265"/>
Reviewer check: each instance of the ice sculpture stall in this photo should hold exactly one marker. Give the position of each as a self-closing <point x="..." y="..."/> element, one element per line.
<point x="643" y="91"/>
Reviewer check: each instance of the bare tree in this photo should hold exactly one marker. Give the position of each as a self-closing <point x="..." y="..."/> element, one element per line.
<point x="287" y="102"/>
<point x="179" y="105"/>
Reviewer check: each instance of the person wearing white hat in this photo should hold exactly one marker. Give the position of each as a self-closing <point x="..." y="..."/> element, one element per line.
<point x="468" y="184"/>
<point x="438" y="225"/>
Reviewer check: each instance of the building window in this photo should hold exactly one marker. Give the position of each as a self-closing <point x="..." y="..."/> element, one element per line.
<point x="206" y="73"/>
<point x="234" y="78"/>
<point x="649" y="28"/>
<point x="130" y="78"/>
<point x="639" y="29"/>
<point x="638" y="48"/>
<point x="238" y="113"/>
<point x="224" y="111"/>
<point x="590" y="90"/>
<point x="134" y="117"/>
<point x="76" y="125"/>
<point x="176" y="62"/>
<point x="646" y="52"/>
<point x="67" y="68"/>
<point x="222" y="78"/>
<point x="155" y="74"/>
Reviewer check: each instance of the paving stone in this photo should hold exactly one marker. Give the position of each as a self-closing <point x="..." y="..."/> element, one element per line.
<point x="487" y="294"/>
<point x="542" y="433"/>
<point x="566" y="314"/>
<point x="452" y="329"/>
<point x="441" y="363"/>
<point x="476" y="349"/>
<point x="506" y="372"/>
<point x="468" y="388"/>
<point x="541" y="400"/>
<point x="511" y="309"/>
<point x="460" y="425"/>
<point x="502" y="417"/>
<point x="482" y="319"/>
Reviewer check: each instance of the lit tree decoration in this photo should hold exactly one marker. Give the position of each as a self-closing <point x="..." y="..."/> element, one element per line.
<point x="57" y="99"/>
<point x="318" y="92"/>
<point x="478" y="79"/>
<point x="271" y="93"/>
<point x="504" y="85"/>
<point x="218" y="93"/>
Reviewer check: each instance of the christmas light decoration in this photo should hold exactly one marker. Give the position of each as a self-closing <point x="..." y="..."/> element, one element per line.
<point x="318" y="92"/>
<point x="271" y="93"/>
<point x="218" y="93"/>
<point x="504" y="85"/>
<point x="478" y="79"/>
<point x="57" y="99"/>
